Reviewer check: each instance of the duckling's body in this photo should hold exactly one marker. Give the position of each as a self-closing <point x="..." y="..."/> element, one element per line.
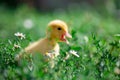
<point x="43" y="46"/>
<point x="57" y="31"/>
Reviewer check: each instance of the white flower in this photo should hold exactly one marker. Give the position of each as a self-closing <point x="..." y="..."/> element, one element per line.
<point x="86" y="39"/>
<point x="20" y="35"/>
<point x="74" y="53"/>
<point x="17" y="46"/>
<point x="50" y="55"/>
<point x="28" y="23"/>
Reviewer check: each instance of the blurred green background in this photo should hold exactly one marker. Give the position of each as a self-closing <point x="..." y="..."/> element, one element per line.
<point x="84" y="18"/>
<point x="87" y="16"/>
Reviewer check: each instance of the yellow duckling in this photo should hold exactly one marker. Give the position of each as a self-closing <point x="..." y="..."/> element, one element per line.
<point x="57" y="31"/>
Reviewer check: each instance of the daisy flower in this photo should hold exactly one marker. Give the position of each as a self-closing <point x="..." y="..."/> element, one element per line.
<point x="20" y="35"/>
<point x="74" y="53"/>
<point x="50" y="55"/>
<point x="16" y="46"/>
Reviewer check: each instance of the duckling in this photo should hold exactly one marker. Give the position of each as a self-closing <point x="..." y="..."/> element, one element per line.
<point x="57" y="31"/>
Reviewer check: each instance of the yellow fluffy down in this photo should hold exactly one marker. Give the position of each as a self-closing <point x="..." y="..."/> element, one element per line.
<point x="57" y="31"/>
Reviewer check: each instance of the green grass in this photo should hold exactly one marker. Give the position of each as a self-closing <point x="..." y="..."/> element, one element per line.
<point x="98" y="55"/>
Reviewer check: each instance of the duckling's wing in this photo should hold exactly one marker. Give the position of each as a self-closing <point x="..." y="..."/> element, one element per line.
<point x="33" y="47"/>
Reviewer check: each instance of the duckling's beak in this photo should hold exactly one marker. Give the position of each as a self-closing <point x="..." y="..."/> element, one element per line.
<point x="68" y="35"/>
<point x="64" y="36"/>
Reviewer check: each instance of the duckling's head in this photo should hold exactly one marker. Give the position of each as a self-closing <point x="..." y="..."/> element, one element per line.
<point x="58" y="30"/>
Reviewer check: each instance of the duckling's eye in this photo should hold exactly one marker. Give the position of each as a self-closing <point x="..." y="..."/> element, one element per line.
<point x="59" y="28"/>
